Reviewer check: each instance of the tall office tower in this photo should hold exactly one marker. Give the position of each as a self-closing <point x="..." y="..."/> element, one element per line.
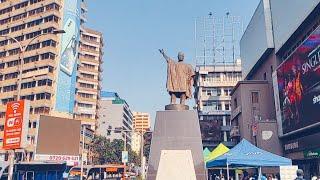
<point x="141" y="121"/>
<point x="114" y="114"/>
<point x="218" y="68"/>
<point x="141" y="124"/>
<point x="89" y="77"/>
<point x="39" y="44"/>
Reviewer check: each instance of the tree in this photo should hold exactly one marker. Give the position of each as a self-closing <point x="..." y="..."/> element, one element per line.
<point x="106" y="152"/>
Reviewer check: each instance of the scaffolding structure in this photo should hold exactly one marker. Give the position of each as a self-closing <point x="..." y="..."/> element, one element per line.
<point x="217" y="40"/>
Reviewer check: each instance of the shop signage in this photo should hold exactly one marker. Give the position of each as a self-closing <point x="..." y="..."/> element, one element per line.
<point x="16" y="125"/>
<point x="70" y="160"/>
<point x="302" y="144"/>
<point x="312" y="153"/>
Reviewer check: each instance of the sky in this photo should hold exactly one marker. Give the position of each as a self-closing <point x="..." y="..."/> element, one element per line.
<point x="134" y="30"/>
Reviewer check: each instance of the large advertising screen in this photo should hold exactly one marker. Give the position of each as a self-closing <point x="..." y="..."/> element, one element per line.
<point x="210" y="130"/>
<point x="69" y="51"/>
<point x="298" y="84"/>
<point x="58" y="139"/>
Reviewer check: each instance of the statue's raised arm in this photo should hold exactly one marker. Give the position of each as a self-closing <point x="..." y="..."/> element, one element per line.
<point x="164" y="54"/>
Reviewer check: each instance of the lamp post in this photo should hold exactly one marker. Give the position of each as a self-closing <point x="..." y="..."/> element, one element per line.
<point x="23" y="49"/>
<point x="21" y="57"/>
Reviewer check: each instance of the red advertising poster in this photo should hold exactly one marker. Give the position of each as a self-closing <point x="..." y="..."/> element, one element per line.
<point x="298" y="80"/>
<point x="15" y="127"/>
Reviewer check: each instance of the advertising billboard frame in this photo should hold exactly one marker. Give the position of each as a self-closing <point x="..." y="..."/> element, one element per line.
<point x="16" y="125"/>
<point x="295" y="83"/>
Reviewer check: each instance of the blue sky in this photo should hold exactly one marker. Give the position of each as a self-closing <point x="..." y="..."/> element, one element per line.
<point x="133" y="32"/>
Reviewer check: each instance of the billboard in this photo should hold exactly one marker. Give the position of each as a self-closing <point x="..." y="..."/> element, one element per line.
<point x="298" y="85"/>
<point x="210" y="130"/>
<point x="58" y="139"/>
<point x="69" y="53"/>
<point x="16" y="125"/>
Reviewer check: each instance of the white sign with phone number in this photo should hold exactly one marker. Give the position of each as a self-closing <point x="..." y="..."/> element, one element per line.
<point x="70" y="160"/>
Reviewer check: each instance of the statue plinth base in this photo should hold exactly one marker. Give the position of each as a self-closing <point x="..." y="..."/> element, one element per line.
<point x="176" y="147"/>
<point x="176" y="107"/>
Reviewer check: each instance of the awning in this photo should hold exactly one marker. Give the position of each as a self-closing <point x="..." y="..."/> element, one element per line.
<point x="218" y="151"/>
<point x="246" y="154"/>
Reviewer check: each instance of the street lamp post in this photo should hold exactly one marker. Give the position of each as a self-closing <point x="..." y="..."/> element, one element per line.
<point x="23" y="49"/>
<point x="21" y="57"/>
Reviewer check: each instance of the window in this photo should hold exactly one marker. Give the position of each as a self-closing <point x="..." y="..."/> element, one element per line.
<point x="11" y="75"/>
<point x="227" y="107"/>
<point x="85" y="105"/>
<point x="33" y="47"/>
<point x="48" y="56"/>
<point x="255" y="97"/>
<point x="45" y="82"/>
<point x="28" y="85"/>
<point x="18" y="28"/>
<point x="13" y="63"/>
<point x="9" y="88"/>
<point x="43" y="96"/>
<point x="31" y="59"/>
<point x="14" y="51"/>
<point x="271" y="70"/>
<point x="265" y="76"/>
<point x="235" y="102"/>
<point x="91" y="86"/>
<point x="41" y="110"/>
<point x="19" y="16"/>
<point x="87" y="75"/>
<point x="49" y="43"/>
<point x="28" y="97"/>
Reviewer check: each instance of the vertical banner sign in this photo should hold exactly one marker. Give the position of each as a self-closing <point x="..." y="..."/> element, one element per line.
<point x="66" y="83"/>
<point x="125" y="156"/>
<point x="16" y="125"/>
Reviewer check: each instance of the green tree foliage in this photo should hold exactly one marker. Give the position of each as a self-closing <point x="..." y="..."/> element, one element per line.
<point x="106" y="152"/>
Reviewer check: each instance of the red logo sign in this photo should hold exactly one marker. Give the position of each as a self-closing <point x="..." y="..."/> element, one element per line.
<point x="13" y="127"/>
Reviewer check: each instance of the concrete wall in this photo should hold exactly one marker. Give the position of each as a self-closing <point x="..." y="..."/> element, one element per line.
<point x="257" y="38"/>
<point x="287" y="16"/>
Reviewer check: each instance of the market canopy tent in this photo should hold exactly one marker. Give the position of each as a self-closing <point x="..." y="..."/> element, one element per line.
<point x="246" y="154"/>
<point x="206" y="153"/>
<point x="218" y="151"/>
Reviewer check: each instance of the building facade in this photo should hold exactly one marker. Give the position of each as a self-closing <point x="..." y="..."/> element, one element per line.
<point x="114" y="114"/>
<point x="39" y="45"/>
<point x="141" y="124"/>
<point x="214" y="84"/>
<point x="282" y="48"/>
<point x="251" y="119"/>
<point x="89" y="77"/>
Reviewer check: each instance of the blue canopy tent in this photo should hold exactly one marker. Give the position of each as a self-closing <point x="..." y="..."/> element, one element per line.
<point x="246" y="154"/>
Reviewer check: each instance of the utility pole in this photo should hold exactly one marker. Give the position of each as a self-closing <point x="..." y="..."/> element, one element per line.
<point x="83" y="133"/>
<point x="142" y="155"/>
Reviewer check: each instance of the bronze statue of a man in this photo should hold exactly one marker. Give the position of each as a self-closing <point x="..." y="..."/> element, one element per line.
<point x="179" y="78"/>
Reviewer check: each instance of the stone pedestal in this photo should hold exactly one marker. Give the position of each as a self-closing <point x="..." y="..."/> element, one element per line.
<point x="176" y="130"/>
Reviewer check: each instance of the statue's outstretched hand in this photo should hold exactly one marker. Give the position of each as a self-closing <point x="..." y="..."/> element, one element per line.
<point x="161" y="51"/>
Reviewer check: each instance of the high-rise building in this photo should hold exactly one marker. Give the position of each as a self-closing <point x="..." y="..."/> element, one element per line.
<point x="89" y="77"/>
<point x="214" y="84"/>
<point x="39" y="45"/>
<point x="141" y="121"/>
<point x="141" y="124"/>
<point x="114" y="114"/>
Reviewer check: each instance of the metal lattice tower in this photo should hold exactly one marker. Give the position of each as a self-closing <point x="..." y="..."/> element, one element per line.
<point x="217" y="40"/>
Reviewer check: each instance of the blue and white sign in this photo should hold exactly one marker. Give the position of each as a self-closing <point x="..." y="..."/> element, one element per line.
<point x="125" y="156"/>
<point x="68" y="63"/>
